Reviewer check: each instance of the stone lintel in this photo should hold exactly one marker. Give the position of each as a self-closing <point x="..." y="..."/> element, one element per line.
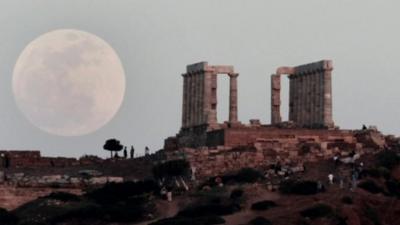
<point x="221" y="69"/>
<point x="196" y="67"/>
<point x="285" y="70"/>
<point x="202" y="67"/>
<point x="323" y="65"/>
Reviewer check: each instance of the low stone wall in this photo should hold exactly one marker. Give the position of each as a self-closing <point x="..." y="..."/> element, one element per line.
<point x="32" y="159"/>
<point x="291" y="151"/>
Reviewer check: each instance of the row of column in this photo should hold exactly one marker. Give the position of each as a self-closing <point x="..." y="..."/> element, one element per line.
<point x="193" y="99"/>
<point x="199" y="105"/>
<point x="305" y="99"/>
<point x="310" y="102"/>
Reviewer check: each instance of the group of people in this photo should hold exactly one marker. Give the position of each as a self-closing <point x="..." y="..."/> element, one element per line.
<point x="132" y="152"/>
<point x="356" y="172"/>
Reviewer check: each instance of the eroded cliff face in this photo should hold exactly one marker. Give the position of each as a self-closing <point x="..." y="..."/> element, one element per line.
<point x="12" y="197"/>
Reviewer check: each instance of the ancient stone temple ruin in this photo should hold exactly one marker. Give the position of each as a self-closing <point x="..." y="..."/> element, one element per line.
<point x="309" y="135"/>
<point x="310" y="94"/>
<point x="200" y="95"/>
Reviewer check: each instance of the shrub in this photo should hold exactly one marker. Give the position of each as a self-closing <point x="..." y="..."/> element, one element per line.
<point x="388" y="159"/>
<point x="371" y="187"/>
<point x="7" y="218"/>
<point x="263" y="205"/>
<point x="317" y="211"/>
<point x="260" y="221"/>
<point x="393" y="187"/>
<point x="236" y="194"/>
<point x="117" y="212"/>
<point x="114" y="192"/>
<point x="247" y="175"/>
<point x="299" y="187"/>
<point x="377" y="172"/>
<point x="171" y="168"/>
<point x="372" y="215"/>
<point x="63" y="196"/>
<point x="190" y="221"/>
<point x="85" y="211"/>
<point x="209" y="209"/>
<point x="347" y="200"/>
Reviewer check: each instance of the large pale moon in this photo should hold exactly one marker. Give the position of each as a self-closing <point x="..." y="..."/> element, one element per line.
<point x="68" y="82"/>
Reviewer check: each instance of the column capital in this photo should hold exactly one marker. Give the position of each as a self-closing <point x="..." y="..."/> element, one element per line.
<point x="233" y="75"/>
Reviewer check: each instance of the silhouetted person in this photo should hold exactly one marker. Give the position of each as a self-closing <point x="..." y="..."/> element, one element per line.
<point x="364" y="127"/>
<point x="146" y="151"/>
<point x="132" y="152"/>
<point x="6" y="162"/>
<point x="336" y="160"/>
<point x="125" y="153"/>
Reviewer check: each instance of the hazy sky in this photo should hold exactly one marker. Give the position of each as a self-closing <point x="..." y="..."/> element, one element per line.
<point x="155" y="40"/>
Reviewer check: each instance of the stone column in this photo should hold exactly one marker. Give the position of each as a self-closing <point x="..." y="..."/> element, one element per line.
<point x="213" y="112"/>
<point x="201" y="98"/>
<point x="312" y="98"/>
<point x="328" y="98"/>
<point x="295" y="100"/>
<point x="321" y="98"/>
<point x="191" y="101"/>
<point x="291" y="98"/>
<point x="207" y="97"/>
<point x="301" y="100"/>
<point x="308" y="98"/>
<point x="184" y="101"/>
<point x="195" y="99"/>
<point x="233" y="110"/>
<point x="275" y="99"/>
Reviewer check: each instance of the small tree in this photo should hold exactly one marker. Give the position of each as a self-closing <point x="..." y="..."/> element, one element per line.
<point x="113" y="145"/>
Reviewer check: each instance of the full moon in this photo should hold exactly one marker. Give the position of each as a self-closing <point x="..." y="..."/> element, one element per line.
<point x="68" y="82"/>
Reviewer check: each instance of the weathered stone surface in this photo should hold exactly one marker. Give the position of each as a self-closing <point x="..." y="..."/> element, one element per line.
<point x="200" y="95"/>
<point x="310" y="94"/>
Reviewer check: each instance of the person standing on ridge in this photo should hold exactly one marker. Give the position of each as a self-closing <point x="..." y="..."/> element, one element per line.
<point x="132" y="152"/>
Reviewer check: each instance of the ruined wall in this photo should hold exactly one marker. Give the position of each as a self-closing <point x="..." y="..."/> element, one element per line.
<point x="291" y="148"/>
<point x="245" y="136"/>
<point x="32" y="159"/>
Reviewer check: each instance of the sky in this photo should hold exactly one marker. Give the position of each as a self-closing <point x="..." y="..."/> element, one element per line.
<point x="155" y="40"/>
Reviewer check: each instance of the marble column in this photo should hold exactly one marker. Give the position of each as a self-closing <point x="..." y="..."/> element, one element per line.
<point x="201" y="99"/>
<point x="213" y="112"/>
<point x="275" y="99"/>
<point x="291" y="98"/>
<point x="207" y="97"/>
<point x="195" y="99"/>
<point x="312" y="99"/>
<point x="191" y="100"/>
<point x="307" y="99"/>
<point x="233" y="109"/>
<point x="301" y="98"/>
<point x="328" y="98"/>
<point x="184" y="101"/>
<point x="321" y="98"/>
<point x="295" y="96"/>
